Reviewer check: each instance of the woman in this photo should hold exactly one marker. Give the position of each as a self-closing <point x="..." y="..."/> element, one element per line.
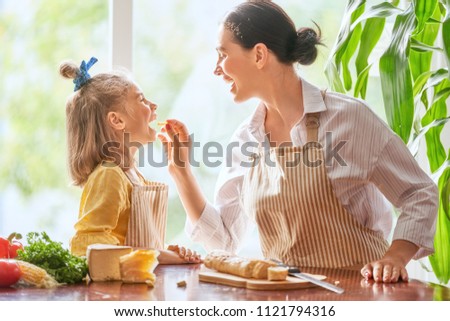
<point x="317" y="194"/>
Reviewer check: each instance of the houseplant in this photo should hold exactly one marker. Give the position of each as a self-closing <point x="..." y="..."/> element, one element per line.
<point x="414" y="91"/>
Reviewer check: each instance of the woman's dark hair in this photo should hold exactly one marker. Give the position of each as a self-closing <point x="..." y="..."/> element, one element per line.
<point x="265" y="22"/>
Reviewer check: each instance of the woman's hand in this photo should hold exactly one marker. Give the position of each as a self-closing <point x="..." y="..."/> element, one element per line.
<point x="391" y="268"/>
<point x="177" y="145"/>
<point x="186" y="254"/>
<point x="386" y="270"/>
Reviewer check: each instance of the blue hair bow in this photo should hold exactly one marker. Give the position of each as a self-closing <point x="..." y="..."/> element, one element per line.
<point x="83" y="75"/>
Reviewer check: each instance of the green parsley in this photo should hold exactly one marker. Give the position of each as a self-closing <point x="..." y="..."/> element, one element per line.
<point x="52" y="257"/>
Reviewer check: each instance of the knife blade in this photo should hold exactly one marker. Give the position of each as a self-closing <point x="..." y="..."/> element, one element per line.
<point x="295" y="272"/>
<point x="318" y="282"/>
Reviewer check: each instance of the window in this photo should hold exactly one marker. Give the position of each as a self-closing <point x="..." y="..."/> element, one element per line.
<point x="173" y="57"/>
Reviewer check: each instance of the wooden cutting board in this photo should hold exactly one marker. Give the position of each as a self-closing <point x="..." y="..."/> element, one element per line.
<point x="291" y="283"/>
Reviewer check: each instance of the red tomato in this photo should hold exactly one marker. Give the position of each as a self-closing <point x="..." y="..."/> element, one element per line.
<point x="9" y="272"/>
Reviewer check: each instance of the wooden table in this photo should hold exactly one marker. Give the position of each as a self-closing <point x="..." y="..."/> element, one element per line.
<point x="356" y="289"/>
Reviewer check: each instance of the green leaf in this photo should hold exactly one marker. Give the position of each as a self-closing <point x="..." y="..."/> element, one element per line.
<point x="435" y="149"/>
<point x="333" y="77"/>
<point x="332" y="67"/>
<point x="422" y="47"/>
<point x="420" y="82"/>
<point x="413" y="145"/>
<point x="436" y="78"/>
<point x="395" y="76"/>
<point x="442" y="94"/>
<point x="422" y="42"/>
<point x="424" y="9"/>
<point x="446" y="34"/>
<point x="361" y="83"/>
<point x="382" y="10"/>
<point x="354" y="11"/>
<point x="440" y="260"/>
<point x="350" y="50"/>
<point x="373" y="28"/>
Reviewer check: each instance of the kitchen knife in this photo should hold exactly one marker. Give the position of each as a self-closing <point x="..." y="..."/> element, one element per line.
<point x="294" y="271"/>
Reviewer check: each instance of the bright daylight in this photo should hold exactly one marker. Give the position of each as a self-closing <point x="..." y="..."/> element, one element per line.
<point x="224" y="150"/>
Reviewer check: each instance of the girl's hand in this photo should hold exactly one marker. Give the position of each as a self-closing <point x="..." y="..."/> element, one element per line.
<point x="177" y="145"/>
<point x="186" y="254"/>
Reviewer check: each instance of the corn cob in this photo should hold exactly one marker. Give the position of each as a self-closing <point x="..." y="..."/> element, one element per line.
<point x="36" y="276"/>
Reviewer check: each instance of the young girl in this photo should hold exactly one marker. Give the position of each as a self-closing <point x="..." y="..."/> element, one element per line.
<point x="108" y="118"/>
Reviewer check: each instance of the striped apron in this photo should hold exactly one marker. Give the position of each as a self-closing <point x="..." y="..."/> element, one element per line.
<point x="148" y="218"/>
<point x="300" y="221"/>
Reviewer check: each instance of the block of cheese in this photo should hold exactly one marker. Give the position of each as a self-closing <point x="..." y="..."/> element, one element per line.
<point x="138" y="266"/>
<point x="103" y="261"/>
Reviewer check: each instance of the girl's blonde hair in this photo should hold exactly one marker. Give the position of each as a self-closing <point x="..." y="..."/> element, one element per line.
<point x="90" y="139"/>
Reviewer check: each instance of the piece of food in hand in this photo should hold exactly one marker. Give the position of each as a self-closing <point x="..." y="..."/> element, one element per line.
<point x="104" y="261"/>
<point x="162" y="123"/>
<point x="9" y="272"/>
<point x="34" y="275"/>
<point x="232" y="264"/>
<point x="138" y="266"/>
<point x="277" y="273"/>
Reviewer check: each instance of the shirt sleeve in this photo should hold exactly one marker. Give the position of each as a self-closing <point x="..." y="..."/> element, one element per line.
<point x="223" y="225"/>
<point x="398" y="176"/>
<point x="104" y="198"/>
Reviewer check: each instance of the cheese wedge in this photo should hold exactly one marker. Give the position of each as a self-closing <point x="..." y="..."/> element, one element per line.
<point x="103" y="261"/>
<point x="138" y="266"/>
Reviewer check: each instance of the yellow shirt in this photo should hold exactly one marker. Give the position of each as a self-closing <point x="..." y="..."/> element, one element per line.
<point x="105" y="209"/>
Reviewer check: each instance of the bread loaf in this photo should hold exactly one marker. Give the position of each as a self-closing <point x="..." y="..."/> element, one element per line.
<point x="277" y="273"/>
<point x="227" y="263"/>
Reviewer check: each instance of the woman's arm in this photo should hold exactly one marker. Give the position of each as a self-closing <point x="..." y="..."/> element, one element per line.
<point x="399" y="177"/>
<point x="221" y="226"/>
<point x="178" y="150"/>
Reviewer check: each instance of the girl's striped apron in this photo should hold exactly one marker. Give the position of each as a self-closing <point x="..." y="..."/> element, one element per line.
<point x="148" y="218"/>
<point x="300" y="220"/>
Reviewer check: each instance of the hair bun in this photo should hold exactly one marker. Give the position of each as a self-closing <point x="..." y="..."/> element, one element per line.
<point x="69" y="70"/>
<point x="305" y="51"/>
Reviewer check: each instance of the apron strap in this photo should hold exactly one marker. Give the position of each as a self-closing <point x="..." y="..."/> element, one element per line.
<point x="312" y="127"/>
<point x="313" y="123"/>
<point x="134" y="179"/>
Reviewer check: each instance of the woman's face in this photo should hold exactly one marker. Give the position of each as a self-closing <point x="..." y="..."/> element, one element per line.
<point x="236" y="65"/>
<point x="139" y="113"/>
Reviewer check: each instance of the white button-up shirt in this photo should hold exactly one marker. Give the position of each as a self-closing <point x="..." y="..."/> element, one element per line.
<point x="367" y="164"/>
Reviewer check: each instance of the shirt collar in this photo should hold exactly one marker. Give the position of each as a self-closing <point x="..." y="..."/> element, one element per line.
<point x="313" y="102"/>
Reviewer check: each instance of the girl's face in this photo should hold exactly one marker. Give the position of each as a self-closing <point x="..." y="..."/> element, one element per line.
<point x="236" y="65"/>
<point x="139" y="113"/>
